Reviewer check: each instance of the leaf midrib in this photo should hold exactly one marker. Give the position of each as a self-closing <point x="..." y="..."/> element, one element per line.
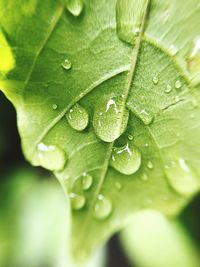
<point x="127" y="88"/>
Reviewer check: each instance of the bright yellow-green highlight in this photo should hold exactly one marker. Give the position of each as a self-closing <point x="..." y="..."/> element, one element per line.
<point x="7" y="61"/>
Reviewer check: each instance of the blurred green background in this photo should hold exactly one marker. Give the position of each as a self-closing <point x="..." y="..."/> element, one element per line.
<point x="34" y="220"/>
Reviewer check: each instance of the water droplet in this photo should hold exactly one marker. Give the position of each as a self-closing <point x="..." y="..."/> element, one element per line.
<point x="173" y="50"/>
<point x="150" y="165"/>
<point x="193" y="60"/>
<point x="168" y="88"/>
<point x="128" y="20"/>
<point x="155" y="80"/>
<point x="177" y="99"/>
<point x="146" y="145"/>
<point x="75" y="7"/>
<point x="118" y="186"/>
<point x="77" y="117"/>
<point x="146" y="117"/>
<point x="110" y="120"/>
<point x="77" y="201"/>
<point x="144" y="177"/>
<point x="66" y="64"/>
<point x="130" y="137"/>
<point x="178" y="84"/>
<point x="87" y="181"/>
<point x="181" y="177"/>
<point x="51" y="157"/>
<point x="102" y="208"/>
<point x="54" y="106"/>
<point x="126" y="159"/>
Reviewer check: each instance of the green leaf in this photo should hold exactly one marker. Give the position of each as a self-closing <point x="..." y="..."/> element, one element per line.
<point x="151" y="240"/>
<point x="30" y="234"/>
<point x="102" y="105"/>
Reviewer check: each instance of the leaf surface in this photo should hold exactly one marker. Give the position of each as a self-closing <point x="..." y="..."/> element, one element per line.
<point x="108" y="99"/>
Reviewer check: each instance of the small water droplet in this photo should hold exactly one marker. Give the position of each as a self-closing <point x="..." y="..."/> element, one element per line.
<point x="118" y="186"/>
<point x="110" y="120"/>
<point x="181" y="177"/>
<point x="77" y="201"/>
<point x="168" y="88"/>
<point x="102" y="208"/>
<point x="126" y="159"/>
<point x="146" y="117"/>
<point x="144" y="177"/>
<point x="77" y="117"/>
<point x="87" y="181"/>
<point x="155" y="80"/>
<point x="193" y="60"/>
<point x="178" y="84"/>
<point x="150" y="165"/>
<point x="130" y="137"/>
<point x="66" y="64"/>
<point x="54" y="106"/>
<point x="51" y="157"/>
<point x="192" y="116"/>
<point x="75" y="7"/>
<point x="146" y="145"/>
<point x="173" y="50"/>
<point x="177" y="99"/>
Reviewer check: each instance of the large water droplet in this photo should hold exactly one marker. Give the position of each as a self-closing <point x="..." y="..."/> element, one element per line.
<point x="77" y="201"/>
<point x="181" y="177"/>
<point x="110" y="120"/>
<point x="128" y="20"/>
<point x="77" y="117"/>
<point x="102" y="208"/>
<point x="193" y="60"/>
<point x="87" y="181"/>
<point x="66" y="64"/>
<point x="75" y="7"/>
<point x="126" y="159"/>
<point x="51" y="157"/>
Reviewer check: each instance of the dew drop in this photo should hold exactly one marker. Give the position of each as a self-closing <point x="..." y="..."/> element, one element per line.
<point x="77" y="201"/>
<point x="178" y="84"/>
<point x="66" y="64"/>
<point x="87" y="181"/>
<point x="118" y="186"/>
<point x="77" y="117"/>
<point x="150" y="165"/>
<point x="110" y="120"/>
<point x="144" y="177"/>
<point x="181" y="177"/>
<point x="130" y="137"/>
<point x="126" y="159"/>
<point x="146" y="117"/>
<point x="51" y="157"/>
<point x="168" y="89"/>
<point x="173" y="50"/>
<point x="155" y="80"/>
<point x="102" y="208"/>
<point x="75" y="7"/>
<point x="193" y="60"/>
<point x="54" y="106"/>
